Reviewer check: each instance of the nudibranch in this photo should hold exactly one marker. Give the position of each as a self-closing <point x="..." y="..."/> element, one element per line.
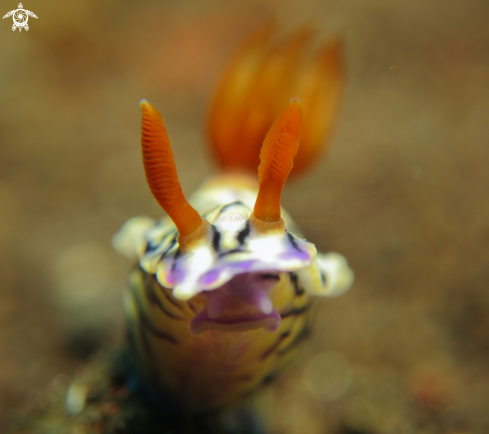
<point x="222" y="292"/>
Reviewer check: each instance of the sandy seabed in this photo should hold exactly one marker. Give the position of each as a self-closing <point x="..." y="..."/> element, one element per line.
<point x="407" y="349"/>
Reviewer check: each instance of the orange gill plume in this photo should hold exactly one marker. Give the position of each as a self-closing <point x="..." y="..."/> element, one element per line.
<point x="161" y="172"/>
<point x="277" y="154"/>
<point x="258" y="83"/>
<point x="320" y="91"/>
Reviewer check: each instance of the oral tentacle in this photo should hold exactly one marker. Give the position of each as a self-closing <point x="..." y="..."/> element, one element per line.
<point x="272" y="323"/>
<point x="262" y="302"/>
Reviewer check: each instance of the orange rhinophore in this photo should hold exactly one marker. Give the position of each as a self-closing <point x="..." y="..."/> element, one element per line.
<point x="161" y="172"/>
<point x="222" y="294"/>
<point x="277" y="154"/>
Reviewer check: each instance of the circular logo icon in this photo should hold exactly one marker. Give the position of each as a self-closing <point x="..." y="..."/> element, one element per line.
<point x="20" y="17"/>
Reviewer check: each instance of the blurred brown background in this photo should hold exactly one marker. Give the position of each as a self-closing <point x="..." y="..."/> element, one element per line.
<point x="407" y="349"/>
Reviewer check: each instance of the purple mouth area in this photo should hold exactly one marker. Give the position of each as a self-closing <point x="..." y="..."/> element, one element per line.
<point x="241" y="304"/>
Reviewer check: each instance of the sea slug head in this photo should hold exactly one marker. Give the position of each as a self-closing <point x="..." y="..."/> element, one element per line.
<point x="233" y="257"/>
